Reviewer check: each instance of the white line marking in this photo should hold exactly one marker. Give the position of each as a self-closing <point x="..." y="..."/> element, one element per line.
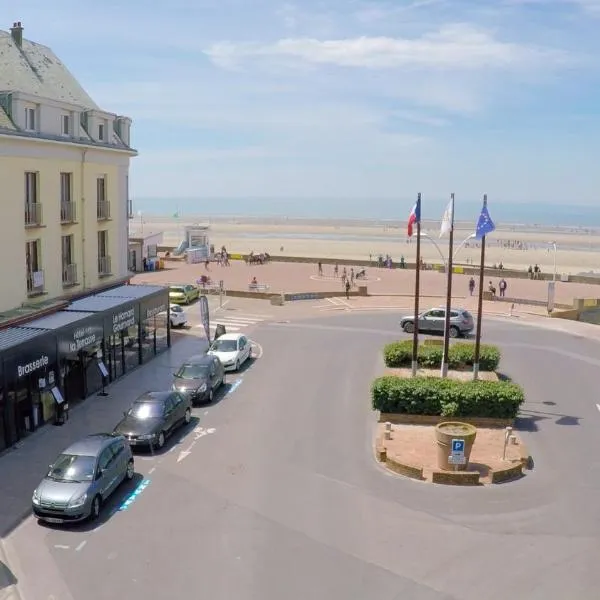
<point x="331" y="300"/>
<point x="151" y="470"/>
<point x="260" y="349"/>
<point x="341" y="301"/>
<point x="250" y="315"/>
<point x="80" y="547"/>
<point x="213" y="326"/>
<point x="598" y="406"/>
<point x="61" y="547"/>
<point x="222" y="305"/>
<point x="205" y="412"/>
<point x="238" y="322"/>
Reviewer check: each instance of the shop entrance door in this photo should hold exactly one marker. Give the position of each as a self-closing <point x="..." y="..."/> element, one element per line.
<point x="74" y="383"/>
<point x="115" y="355"/>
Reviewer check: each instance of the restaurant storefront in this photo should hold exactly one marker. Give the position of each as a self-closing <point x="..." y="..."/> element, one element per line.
<point x="58" y="359"/>
<point x="28" y="374"/>
<point x="120" y="319"/>
<point x="154" y="324"/>
<point x="79" y="339"/>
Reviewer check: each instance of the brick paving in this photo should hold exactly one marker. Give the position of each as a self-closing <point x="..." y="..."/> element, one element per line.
<point x="302" y="277"/>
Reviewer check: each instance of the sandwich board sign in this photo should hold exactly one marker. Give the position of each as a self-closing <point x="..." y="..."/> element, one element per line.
<point x="458" y="453"/>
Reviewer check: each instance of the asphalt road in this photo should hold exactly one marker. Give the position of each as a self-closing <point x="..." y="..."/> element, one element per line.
<point x="274" y="492"/>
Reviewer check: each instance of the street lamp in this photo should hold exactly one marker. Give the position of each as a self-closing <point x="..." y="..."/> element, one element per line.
<point x="470" y="237"/>
<point x="459" y="247"/>
<point x="140" y="215"/>
<point x="553" y="244"/>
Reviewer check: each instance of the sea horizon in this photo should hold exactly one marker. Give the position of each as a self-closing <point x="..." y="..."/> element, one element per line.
<point x="353" y="209"/>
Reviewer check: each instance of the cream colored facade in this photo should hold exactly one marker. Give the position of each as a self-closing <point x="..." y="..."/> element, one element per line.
<point x="64" y="166"/>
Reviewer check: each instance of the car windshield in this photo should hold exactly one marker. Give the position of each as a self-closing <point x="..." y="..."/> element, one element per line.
<point x="177" y="290"/>
<point x="467" y="315"/>
<point x="146" y="410"/>
<point x="73" y="467"/>
<point x="224" y="345"/>
<point x="192" y="371"/>
<point x="176" y="309"/>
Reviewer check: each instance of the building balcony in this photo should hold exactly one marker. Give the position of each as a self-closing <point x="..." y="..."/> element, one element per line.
<point x="104" y="268"/>
<point x="67" y="212"/>
<point x="69" y="275"/>
<point x="33" y="214"/>
<point x="103" y="211"/>
<point x="35" y="283"/>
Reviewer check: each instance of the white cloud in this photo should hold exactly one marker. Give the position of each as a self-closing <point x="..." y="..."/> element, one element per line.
<point x="457" y="46"/>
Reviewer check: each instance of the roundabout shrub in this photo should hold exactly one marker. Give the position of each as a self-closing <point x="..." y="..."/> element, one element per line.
<point x="460" y="355"/>
<point x="446" y="397"/>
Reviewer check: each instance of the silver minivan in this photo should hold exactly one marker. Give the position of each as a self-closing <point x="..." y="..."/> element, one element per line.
<point x="82" y="478"/>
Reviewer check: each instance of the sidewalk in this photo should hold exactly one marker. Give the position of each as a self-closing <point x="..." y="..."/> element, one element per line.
<point x="24" y="466"/>
<point x="8" y="582"/>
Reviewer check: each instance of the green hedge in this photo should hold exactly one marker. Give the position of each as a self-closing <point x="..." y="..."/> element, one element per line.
<point x="460" y="355"/>
<point x="446" y="397"/>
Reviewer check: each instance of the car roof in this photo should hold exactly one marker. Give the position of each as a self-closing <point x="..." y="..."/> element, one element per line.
<point x="153" y="397"/>
<point x="178" y="285"/>
<point x="199" y="359"/>
<point x="90" y="445"/>
<point x="230" y="336"/>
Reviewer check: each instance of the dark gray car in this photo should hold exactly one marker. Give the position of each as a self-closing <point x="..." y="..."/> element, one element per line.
<point x="153" y="417"/>
<point x="199" y="377"/>
<point x="82" y="478"/>
<point x="433" y="321"/>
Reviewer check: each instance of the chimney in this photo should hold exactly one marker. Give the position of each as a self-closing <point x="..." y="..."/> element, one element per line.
<point x="16" y="31"/>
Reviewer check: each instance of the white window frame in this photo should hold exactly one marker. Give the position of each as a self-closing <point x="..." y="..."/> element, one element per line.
<point x="101" y="132"/>
<point x="66" y="125"/>
<point x="30" y="119"/>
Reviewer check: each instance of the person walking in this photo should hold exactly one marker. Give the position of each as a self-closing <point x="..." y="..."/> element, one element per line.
<point x="347" y="290"/>
<point x="502" y="287"/>
<point x="471" y="286"/>
<point x="320" y="265"/>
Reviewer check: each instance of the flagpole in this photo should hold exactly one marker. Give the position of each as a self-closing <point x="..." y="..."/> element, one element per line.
<point x="449" y="267"/>
<point x="479" y="303"/>
<point x="415" y="349"/>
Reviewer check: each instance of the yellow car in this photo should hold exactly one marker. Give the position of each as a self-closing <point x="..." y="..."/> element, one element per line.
<point x="183" y="294"/>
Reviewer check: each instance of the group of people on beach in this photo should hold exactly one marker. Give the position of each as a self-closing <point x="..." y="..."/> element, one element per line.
<point x="502" y="285"/>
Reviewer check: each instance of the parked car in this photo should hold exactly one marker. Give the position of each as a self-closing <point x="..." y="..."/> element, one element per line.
<point x="434" y="319"/>
<point x="199" y="377"/>
<point x="232" y="349"/>
<point x="153" y="417"/>
<point x="177" y="316"/>
<point x="82" y="478"/>
<point x="183" y="294"/>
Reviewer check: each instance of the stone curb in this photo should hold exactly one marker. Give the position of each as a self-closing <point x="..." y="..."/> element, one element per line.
<point x="403" y="419"/>
<point x="395" y="465"/>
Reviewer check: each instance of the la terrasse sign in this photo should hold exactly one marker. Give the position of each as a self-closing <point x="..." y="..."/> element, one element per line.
<point x="82" y="337"/>
<point x="123" y="320"/>
<point x="34" y="365"/>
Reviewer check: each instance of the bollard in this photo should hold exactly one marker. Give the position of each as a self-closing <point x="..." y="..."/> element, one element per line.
<point x="387" y="435"/>
<point x="513" y="440"/>
<point x="388" y="426"/>
<point x="507" y="435"/>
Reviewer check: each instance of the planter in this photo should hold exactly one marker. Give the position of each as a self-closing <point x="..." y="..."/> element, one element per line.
<point x="453" y="430"/>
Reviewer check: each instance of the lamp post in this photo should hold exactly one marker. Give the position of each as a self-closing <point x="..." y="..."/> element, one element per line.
<point x="553" y="244"/>
<point x="140" y="215"/>
<point x="459" y="247"/>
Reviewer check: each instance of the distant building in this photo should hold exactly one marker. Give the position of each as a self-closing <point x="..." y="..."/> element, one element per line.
<point x="64" y="173"/>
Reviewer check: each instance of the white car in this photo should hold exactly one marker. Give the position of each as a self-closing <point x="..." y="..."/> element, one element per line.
<point x="177" y="316"/>
<point x="232" y="349"/>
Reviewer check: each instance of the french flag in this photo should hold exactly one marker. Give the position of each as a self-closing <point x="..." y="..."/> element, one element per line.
<point x="415" y="216"/>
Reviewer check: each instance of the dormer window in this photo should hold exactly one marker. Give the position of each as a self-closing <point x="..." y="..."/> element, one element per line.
<point x="30" y="124"/>
<point x="66" y="125"/>
<point x="101" y="132"/>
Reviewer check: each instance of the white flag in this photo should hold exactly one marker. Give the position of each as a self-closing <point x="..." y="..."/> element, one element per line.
<point x="447" y="219"/>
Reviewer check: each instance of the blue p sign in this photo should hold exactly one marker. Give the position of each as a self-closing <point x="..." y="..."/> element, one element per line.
<point x="458" y="446"/>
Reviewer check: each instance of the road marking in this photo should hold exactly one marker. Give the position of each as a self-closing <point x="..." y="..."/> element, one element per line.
<point x="80" y="547"/>
<point x="213" y="327"/>
<point x="260" y="349"/>
<point x="200" y="433"/>
<point x="234" y="386"/>
<point x="61" y="547"/>
<point x="135" y="494"/>
<point x="223" y="305"/>
<point x="331" y="300"/>
<point x="151" y="470"/>
<point x="598" y="406"/>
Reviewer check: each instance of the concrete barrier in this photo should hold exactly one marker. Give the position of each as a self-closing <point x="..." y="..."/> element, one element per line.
<point x="456" y="477"/>
<point x="507" y="474"/>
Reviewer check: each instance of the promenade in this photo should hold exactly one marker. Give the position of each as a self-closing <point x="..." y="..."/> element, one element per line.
<point x="303" y="277"/>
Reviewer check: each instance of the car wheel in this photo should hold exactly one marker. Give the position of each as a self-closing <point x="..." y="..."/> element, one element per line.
<point x="95" y="510"/>
<point x="453" y="332"/>
<point x="160" y="442"/>
<point x="187" y="417"/>
<point x="210" y="396"/>
<point x="408" y="327"/>
<point x="130" y="472"/>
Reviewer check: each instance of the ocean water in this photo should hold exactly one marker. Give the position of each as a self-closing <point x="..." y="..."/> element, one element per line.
<point x="534" y="213"/>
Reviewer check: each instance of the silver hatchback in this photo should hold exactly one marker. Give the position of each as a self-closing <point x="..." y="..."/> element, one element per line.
<point x="82" y="478"/>
<point x="434" y="319"/>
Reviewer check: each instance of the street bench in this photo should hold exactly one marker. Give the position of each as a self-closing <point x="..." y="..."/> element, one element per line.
<point x="258" y="287"/>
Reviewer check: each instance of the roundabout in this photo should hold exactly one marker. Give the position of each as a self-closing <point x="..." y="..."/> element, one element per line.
<point x="287" y="500"/>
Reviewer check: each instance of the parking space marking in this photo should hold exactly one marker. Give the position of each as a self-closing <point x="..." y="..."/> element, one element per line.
<point x="81" y="546"/>
<point x="151" y="470"/>
<point x="598" y="406"/>
<point x="61" y="547"/>
<point x="134" y="495"/>
<point x="260" y="349"/>
<point x="234" y="386"/>
<point x="199" y="432"/>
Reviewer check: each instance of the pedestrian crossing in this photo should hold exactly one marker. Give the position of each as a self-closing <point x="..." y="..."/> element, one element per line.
<point x="235" y="322"/>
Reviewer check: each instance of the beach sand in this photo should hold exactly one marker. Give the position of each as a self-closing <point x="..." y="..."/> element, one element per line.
<point x="578" y="251"/>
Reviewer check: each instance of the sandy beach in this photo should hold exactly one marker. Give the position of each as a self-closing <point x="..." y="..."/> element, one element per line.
<point x="515" y="246"/>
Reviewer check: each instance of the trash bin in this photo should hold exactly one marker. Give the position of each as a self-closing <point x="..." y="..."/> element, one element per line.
<point x="444" y="434"/>
<point x="220" y="330"/>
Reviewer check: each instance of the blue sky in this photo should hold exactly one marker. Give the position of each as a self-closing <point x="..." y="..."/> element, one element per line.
<point x="343" y="98"/>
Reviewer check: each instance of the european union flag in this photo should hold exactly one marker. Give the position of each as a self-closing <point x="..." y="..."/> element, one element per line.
<point x="485" y="225"/>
